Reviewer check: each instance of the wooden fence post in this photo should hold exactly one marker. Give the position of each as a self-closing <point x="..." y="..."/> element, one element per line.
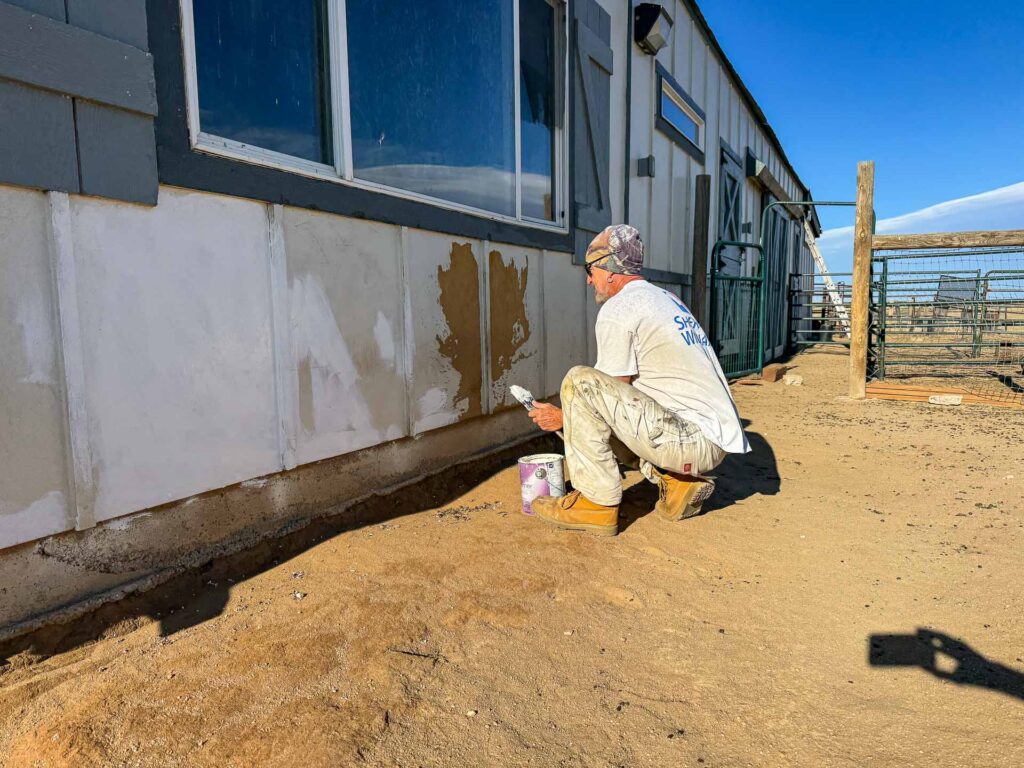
<point x="701" y="227"/>
<point x="861" y="297"/>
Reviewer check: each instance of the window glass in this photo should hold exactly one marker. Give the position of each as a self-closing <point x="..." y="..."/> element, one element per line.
<point x="537" y="107"/>
<point x="672" y="111"/>
<point x="432" y="98"/>
<point x="261" y="68"/>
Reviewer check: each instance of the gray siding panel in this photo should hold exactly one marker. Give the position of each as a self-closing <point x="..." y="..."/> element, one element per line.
<point x="52" y="8"/>
<point x="37" y="143"/>
<point x="79" y="97"/>
<point x="118" y="153"/>
<point x="59" y="57"/>
<point x="123" y="20"/>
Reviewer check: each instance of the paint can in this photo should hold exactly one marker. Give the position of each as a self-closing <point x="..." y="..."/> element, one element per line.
<point x="540" y="475"/>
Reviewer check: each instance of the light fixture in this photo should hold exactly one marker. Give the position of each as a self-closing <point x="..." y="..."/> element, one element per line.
<point x="651" y="26"/>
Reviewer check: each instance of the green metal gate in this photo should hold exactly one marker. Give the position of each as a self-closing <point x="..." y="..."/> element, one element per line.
<point x="739" y="302"/>
<point x="952" y="316"/>
<point x="736" y="313"/>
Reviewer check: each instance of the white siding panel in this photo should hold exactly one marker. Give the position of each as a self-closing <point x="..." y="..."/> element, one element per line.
<point x="34" y="498"/>
<point x="346" y="331"/>
<point x="515" y="321"/>
<point x="565" y="319"/>
<point x="174" y="303"/>
<point x="657" y="236"/>
<point x="443" y="277"/>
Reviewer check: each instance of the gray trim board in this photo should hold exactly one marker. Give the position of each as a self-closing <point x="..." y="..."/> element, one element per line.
<point x="664" y="276"/>
<point x="180" y="165"/>
<point x="37" y="143"/>
<point x="117" y="153"/>
<point x="123" y="20"/>
<point x="55" y="9"/>
<point x="50" y="54"/>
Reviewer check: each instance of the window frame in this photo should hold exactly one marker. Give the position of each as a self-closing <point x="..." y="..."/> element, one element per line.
<point x="689" y="106"/>
<point x="342" y="171"/>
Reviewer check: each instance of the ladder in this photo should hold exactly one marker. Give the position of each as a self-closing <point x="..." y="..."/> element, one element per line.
<point x="833" y="293"/>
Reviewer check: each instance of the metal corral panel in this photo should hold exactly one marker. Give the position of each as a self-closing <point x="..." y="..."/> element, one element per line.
<point x="174" y="305"/>
<point x="346" y="333"/>
<point x="34" y="499"/>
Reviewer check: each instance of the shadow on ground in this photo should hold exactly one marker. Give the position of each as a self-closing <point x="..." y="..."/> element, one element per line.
<point x="202" y="593"/>
<point x="945" y="657"/>
<point x="738" y="478"/>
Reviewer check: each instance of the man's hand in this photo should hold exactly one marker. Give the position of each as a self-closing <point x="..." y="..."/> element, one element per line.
<point x="547" y="417"/>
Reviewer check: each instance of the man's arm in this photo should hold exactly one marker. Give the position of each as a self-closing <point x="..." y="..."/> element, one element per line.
<point x="549" y="417"/>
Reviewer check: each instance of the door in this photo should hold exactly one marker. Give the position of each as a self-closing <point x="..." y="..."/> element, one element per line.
<point x="731" y="301"/>
<point x="777" y="263"/>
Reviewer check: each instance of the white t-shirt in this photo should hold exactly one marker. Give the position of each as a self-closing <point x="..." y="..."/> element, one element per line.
<point x="647" y="332"/>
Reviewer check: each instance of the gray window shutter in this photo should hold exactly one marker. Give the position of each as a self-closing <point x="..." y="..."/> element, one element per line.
<point x="591" y="120"/>
<point x="78" y="98"/>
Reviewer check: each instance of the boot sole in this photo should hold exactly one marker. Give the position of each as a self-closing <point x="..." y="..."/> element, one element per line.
<point x="597" y="530"/>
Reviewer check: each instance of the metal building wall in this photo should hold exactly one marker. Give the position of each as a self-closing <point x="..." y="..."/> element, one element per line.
<point x="662" y="207"/>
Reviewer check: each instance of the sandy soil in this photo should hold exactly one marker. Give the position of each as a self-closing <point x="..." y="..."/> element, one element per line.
<point x="454" y="631"/>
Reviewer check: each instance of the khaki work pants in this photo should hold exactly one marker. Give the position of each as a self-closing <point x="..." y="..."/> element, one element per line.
<point x="607" y="422"/>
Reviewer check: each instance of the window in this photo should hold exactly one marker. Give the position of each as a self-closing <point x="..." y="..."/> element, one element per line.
<point x="678" y="116"/>
<point x="461" y="104"/>
<point x="539" y="109"/>
<point x="261" y="68"/>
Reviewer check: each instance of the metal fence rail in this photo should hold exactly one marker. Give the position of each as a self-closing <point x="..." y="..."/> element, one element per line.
<point x="954" y="316"/>
<point x="813" y="315"/>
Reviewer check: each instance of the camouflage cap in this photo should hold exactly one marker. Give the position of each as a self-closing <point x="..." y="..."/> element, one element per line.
<point x="621" y="249"/>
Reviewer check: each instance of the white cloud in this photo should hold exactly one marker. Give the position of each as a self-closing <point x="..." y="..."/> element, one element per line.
<point x="1001" y="208"/>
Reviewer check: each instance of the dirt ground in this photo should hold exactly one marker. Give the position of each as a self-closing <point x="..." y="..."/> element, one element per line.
<point x="852" y="597"/>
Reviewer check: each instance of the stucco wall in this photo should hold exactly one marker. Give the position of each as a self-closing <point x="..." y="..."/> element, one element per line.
<point x="223" y="340"/>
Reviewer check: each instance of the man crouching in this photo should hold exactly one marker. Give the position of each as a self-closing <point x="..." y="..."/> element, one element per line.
<point x="656" y="399"/>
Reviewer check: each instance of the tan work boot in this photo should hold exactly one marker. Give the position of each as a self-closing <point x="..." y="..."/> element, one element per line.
<point x="682" y="496"/>
<point x="575" y="512"/>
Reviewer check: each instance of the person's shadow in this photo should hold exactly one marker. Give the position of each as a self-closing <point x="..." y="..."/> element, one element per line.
<point x="739" y="477"/>
<point x="945" y="657"/>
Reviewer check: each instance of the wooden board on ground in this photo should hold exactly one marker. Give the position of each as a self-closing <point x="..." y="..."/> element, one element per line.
<point x="878" y="390"/>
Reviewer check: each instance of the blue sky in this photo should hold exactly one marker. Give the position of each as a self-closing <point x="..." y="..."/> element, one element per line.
<point x="933" y="93"/>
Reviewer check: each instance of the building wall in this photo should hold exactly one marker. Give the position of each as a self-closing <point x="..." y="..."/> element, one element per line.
<point x="662" y="208"/>
<point x="153" y="354"/>
<point x="223" y="340"/>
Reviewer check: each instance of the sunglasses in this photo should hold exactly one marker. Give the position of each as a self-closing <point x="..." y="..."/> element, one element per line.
<point x="588" y="266"/>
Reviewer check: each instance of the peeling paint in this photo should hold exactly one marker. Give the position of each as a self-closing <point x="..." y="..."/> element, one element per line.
<point x="509" y="321"/>
<point x="461" y="346"/>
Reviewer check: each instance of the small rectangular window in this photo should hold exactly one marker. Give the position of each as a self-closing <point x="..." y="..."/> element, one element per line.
<point x="261" y="71"/>
<point x="674" y="109"/>
<point x="678" y="116"/>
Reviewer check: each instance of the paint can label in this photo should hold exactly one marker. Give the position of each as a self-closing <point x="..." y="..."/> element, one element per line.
<point x="540" y="475"/>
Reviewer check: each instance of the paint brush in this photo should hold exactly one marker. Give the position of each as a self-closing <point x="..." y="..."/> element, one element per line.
<point x="525" y="397"/>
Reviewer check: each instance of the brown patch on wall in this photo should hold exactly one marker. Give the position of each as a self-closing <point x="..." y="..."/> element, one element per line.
<point x="460" y="302"/>
<point x="510" y="324"/>
<point x="306" y="415"/>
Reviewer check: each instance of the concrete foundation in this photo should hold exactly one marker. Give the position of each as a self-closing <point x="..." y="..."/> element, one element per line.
<point x="60" y="577"/>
